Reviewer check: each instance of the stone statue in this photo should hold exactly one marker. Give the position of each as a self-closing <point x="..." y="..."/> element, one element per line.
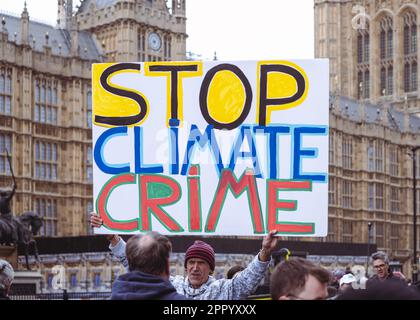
<point x="17" y="230"/>
<point x="29" y="225"/>
<point x="8" y="223"/>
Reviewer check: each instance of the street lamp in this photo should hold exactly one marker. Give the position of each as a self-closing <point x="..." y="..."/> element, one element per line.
<point x="414" y="265"/>
<point x="368" y="249"/>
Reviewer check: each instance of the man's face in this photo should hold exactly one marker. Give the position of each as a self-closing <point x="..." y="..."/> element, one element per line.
<point x="381" y="268"/>
<point x="198" y="271"/>
<point x="313" y="290"/>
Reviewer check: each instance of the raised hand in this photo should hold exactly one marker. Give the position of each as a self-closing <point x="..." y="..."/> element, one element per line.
<point x="95" y="220"/>
<point x="268" y="245"/>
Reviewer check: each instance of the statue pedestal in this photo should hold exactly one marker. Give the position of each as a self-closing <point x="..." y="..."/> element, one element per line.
<point x="9" y="254"/>
<point x="27" y="283"/>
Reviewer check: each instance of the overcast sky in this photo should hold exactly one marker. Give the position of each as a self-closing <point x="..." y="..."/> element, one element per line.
<point x="235" y="29"/>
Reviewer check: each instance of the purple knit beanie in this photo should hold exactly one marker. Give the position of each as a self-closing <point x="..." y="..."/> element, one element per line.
<point x="200" y="250"/>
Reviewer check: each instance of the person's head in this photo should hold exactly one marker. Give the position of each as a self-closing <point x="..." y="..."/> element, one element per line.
<point x="380" y="263"/>
<point x="233" y="271"/>
<point x="346" y="281"/>
<point x="6" y="276"/>
<point x="149" y="253"/>
<point x="299" y="279"/>
<point x="199" y="263"/>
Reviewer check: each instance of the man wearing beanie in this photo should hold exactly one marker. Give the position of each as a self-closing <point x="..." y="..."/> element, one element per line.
<point x="199" y="263"/>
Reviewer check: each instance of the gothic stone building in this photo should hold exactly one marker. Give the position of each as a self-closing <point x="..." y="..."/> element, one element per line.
<point x="375" y="108"/>
<point x="45" y="114"/>
<point x="46" y="100"/>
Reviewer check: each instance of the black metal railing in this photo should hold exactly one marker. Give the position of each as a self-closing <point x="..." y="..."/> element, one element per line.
<point x="63" y="296"/>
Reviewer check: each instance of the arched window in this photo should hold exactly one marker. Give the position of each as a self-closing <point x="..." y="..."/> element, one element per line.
<point x="386" y="53"/>
<point x="363" y="56"/>
<point x="6" y="91"/>
<point x="410" y="52"/>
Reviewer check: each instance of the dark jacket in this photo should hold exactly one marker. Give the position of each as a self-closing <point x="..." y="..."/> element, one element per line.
<point x="138" y="285"/>
<point x="3" y="295"/>
<point x="375" y="279"/>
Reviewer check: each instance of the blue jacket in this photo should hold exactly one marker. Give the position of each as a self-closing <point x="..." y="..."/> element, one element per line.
<point x="138" y="285"/>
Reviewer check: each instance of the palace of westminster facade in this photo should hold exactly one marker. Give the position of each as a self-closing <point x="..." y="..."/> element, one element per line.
<point x="46" y="110"/>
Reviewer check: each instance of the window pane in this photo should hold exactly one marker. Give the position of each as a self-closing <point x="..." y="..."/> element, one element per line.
<point x="49" y="115"/>
<point x="54" y="115"/>
<point x="54" y="97"/>
<point x="414" y="38"/>
<point x="54" y="152"/>
<point x="42" y="113"/>
<point x="406" y="40"/>
<point x="414" y="77"/>
<point x="54" y="172"/>
<point x="8" y="107"/>
<point x="43" y="98"/>
<point x="49" y="95"/>
<point x="390" y="81"/>
<point x="390" y="44"/>
<point x="366" y="46"/>
<point x="2" y="104"/>
<point x="9" y="85"/>
<point x="359" y="48"/>
<point x="406" y="78"/>
<point x="36" y="113"/>
<point x="382" y="44"/>
<point x="47" y="172"/>
<point x="2" y="83"/>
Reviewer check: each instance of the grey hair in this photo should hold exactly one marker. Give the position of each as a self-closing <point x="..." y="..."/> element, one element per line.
<point x="381" y="256"/>
<point x="6" y="274"/>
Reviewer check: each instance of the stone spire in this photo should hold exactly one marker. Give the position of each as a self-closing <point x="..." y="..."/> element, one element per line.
<point x="24" y="25"/>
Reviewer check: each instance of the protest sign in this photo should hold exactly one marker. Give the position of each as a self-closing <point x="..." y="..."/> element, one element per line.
<point x="211" y="148"/>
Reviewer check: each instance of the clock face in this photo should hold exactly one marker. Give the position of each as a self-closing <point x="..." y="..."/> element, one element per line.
<point x="154" y="41"/>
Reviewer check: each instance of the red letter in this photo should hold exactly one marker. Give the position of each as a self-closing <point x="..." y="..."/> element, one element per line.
<point x="154" y="194"/>
<point x="274" y="204"/>
<point x="194" y="204"/>
<point x="247" y="182"/>
<point x="131" y="225"/>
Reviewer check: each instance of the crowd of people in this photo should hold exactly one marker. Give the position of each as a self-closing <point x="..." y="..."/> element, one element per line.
<point x="146" y="259"/>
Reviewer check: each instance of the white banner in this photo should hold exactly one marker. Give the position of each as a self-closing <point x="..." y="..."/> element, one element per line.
<point x="212" y="148"/>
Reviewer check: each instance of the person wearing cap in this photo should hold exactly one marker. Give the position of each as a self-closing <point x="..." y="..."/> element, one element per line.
<point x="199" y="264"/>
<point x="6" y="278"/>
<point x="346" y="282"/>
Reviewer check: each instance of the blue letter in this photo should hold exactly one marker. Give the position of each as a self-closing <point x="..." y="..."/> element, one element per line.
<point x="299" y="153"/>
<point x="173" y="147"/>
<point x="202" y="139"/>
<point x="99" y="149"/>
<point x="273" y="153"/>
<point x="138" y="155"/>
<point x="246" y="131"/>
